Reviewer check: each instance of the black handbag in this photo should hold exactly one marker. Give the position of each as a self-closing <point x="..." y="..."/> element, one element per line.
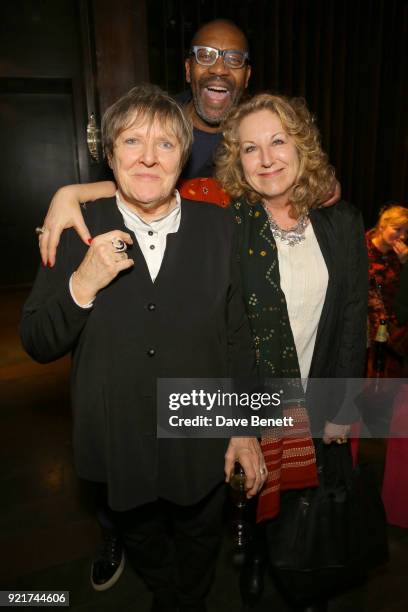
<point x="325" y="539"/>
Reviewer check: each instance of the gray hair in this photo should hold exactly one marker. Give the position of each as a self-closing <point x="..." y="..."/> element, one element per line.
<point x="147" y="102"/>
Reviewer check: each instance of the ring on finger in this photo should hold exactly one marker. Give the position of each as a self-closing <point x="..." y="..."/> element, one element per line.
<point x="40" y="230"/>
<point x="119" y="245"/>
<point x="263" y="471"/>
<point x="342" y="440"/>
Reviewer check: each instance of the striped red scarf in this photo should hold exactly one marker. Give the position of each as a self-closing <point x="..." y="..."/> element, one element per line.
<point x="290" y="459"/>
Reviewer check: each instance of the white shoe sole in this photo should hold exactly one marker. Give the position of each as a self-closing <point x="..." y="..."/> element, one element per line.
<point x="109" y="583"/>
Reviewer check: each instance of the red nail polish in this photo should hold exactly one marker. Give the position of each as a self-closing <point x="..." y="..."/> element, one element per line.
<point x="49" y="264"/>
<point x="43" y="264"/>
<point x="90" y="240"/>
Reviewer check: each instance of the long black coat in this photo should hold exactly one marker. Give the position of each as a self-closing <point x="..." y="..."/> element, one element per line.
<point x="190" y="323"/>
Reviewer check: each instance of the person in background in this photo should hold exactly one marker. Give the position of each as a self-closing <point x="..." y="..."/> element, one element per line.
<point x="304" y="272"/>
<point x="387" y="252"/>
<point x="387" y="301"/>
<point x="218" y="70"/>
<point x="172" y="308"/>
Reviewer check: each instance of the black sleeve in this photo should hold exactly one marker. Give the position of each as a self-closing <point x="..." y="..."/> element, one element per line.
<point x="51" y="321"/>
<point x="352" y="350"/>
<point x="351" y="359"/>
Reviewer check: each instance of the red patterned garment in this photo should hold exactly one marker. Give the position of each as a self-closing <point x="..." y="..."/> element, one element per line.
<point x="290" y="460"/>
<point x="384" y="270"/>
<point x="204" y="190"/>
<point x="384" y="279"/>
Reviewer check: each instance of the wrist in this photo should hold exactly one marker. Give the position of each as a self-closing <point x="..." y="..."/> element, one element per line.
<point x="83" y="293"/>
<point x="70" y="192"/>
<point x="95" y="191"/>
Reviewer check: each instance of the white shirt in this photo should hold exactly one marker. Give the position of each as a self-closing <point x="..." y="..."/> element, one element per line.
<point x="151" y="236"/>
<point x="304" y="280"/>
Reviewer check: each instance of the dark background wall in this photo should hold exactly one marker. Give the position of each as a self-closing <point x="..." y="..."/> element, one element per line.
<point x="41" y="119"/>
<point x="61" y="60"/>
<point x="348" y="58"/>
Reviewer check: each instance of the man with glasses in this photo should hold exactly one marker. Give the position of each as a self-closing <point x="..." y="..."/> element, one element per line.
<point x="218" y="72"/>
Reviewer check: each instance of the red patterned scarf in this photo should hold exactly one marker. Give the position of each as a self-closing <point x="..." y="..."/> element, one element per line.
<point x="290" y="460"/>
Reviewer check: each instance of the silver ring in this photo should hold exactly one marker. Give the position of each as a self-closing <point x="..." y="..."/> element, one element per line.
<point x="40" y="230"/>
<point x="119" y="245"/>
<point x="262" y="471"/>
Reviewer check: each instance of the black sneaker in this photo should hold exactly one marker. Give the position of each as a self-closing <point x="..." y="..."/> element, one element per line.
<point x="108" y="567"/>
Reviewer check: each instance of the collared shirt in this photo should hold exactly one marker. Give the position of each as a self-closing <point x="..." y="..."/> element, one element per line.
<point x="151" y="236"/>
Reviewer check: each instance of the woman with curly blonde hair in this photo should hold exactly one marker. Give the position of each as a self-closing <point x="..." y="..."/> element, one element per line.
<point x="315" y="176"/>
<point x="304" y="271"/>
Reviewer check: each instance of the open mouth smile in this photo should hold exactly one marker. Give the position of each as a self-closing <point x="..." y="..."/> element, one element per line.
<point x="216" y="93"/>
<point x="216" y="90"/>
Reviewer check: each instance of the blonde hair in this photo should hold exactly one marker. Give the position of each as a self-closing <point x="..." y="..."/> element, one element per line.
<point x="393" y="214"/>
<point x="315" y="176"/>
<point x="147" y="103"/>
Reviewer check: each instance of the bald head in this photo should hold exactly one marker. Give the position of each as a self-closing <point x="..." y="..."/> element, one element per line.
<point x="220" y="27"/>
<point x="216" y="87"/>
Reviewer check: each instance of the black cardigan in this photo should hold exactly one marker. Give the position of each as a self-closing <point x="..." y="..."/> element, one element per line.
<point x="197" y="327"/>
<point x="341" y="340"/>
<point x="340" y="346"/>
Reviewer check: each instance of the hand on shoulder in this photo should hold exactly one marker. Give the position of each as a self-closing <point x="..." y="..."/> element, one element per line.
<point x="65" y="212"/>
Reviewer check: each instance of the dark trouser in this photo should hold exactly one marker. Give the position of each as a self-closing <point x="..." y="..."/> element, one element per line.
<point x="178" y="569"/>
<point x="105" y="516"/>
<point x="96" y="495"/>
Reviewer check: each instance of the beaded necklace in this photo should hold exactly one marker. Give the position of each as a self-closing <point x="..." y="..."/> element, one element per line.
<point x="292" y="236"/>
